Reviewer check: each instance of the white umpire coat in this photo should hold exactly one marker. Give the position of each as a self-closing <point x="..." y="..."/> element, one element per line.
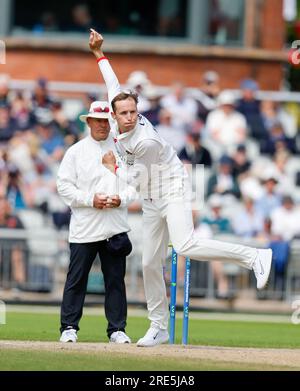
<point x="80" y="176"/>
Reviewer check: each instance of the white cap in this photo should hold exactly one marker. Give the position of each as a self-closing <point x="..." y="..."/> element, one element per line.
<point x="226" y="98"/>
<point x="215" y="201"/>
<point x="137" y="78"/>
<point x="98" y="109"/>
<point x="151" y="92"/>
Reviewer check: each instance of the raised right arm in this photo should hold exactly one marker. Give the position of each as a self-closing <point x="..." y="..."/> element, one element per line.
<point x="109" y="76"/>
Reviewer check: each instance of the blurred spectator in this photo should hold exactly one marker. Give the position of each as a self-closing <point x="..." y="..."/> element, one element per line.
<point x="286" y="219"/>
<point x="206" y="96"/>
<point x="285" y="226"/>
<point x="225" y="125"/>
<point x="13" y="251"/>
<point x="16" y="190"/>
<point x="4" y="90"/>
<point x="249" y="106"/>
<point x="41" y="98"/>
<point x="8" y="125"/>
<point x="277" y="141"/>
<point x="271" y="199"/>
<point x="170" y="22"/>
<point x="81" y="21"/>
<point x="280" y="165"/>
<point x="153" y="96"/>
<point x="87" y="101"/>
<point x="281" y="253"/>
<point x="65" y="128"/>
<point x="215" y="219"/>
<point x="138" y="82"/>
<point x="52" y="143"/>
<point x="183" y="108"/>
<point x="222" y="182"/>
<point x="165" y="128"/>
<point x="241" y="163"/>
<point x="248" y="223"/>
<point x="274" y="113"/>
<point x="22" y="113"/>
<point x="218" y="224"/>
<point x="210" y="84"/>
<point x="47" y="23"/>
<point x="193" y="152"/>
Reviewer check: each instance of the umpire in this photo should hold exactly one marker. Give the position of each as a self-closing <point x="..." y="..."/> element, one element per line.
<point x="98" y="226"/>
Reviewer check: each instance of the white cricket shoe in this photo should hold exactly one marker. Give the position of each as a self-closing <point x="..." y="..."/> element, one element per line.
<point x="154" y="337"/>
<point x="119" y="337"/>
<point x="69" y="335"/>
<point x="262" y="267"/>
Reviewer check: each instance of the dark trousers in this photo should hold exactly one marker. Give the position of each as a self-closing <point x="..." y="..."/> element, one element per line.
<point x="113" y="269"/>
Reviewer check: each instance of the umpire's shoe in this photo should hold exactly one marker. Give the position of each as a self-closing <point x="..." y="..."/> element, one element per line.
<point x="119" y="337"/>
<point x="69" y="335"/>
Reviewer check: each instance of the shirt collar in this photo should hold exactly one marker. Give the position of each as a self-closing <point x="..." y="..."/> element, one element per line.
<point x="99" y="143"/>
<point x="122" y="136"/>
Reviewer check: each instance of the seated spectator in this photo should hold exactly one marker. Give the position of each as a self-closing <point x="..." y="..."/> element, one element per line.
<point x="215" y="219"/>
<point x="225" y="125"/>
<point x="270" y="199"/>
<point x="249" y="106"/>
<point x="153" y="96"/>
<point x="13" y="251"/>
<point x="222" y="182"/>
<point x="87" y="101"/>
<point x="173" y="135"/>
<point x="81" y="19"/>
<point x="4" y="90"/>
<point x="183" y="108"/>
<point x="285" y="226"/>
<point x="41" y="98"/>
<point x="280" y="165"/>
<point x="209" y="91"/>
<point x="285" y="219"/>
<point x="273" y="113"/>
<point x="138" y="81"/>
<point x="8" y="125"/>
<point x="52" y="143"/>
<point x="241" y="163"/>
<point x="47" y="23"/>
<point x="22" y="113"/>
<point x="277" y="141"/>
<point x="16" y="191"/>
<point x="248" y="223"/>
<point x="218" y="224"/>
<point x="65" y="128"/>
<point x="193" y="151"/>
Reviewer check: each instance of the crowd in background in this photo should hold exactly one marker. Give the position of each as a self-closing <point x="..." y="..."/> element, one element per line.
<point x="249" y="148"/>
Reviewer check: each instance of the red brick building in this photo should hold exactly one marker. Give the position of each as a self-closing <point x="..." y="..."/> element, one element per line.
<point x="255" y="49"/>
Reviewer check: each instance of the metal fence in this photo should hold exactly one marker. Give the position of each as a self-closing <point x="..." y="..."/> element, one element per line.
<point x="36" y="261"/>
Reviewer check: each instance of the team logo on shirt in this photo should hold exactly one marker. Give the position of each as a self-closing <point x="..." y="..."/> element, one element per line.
<point x="129" y="158"/>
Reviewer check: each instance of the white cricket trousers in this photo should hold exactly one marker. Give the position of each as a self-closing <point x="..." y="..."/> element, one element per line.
<point x="164" y="220"/>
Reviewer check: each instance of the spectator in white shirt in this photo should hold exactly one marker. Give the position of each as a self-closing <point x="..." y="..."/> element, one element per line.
<point x="183" y="108"/>
<point x="225" y="125"/>
<point x="286" y="219"/>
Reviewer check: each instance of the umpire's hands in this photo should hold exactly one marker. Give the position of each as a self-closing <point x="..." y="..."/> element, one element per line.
<point x="100" y="201"/>
<point x="113" y="202"/>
